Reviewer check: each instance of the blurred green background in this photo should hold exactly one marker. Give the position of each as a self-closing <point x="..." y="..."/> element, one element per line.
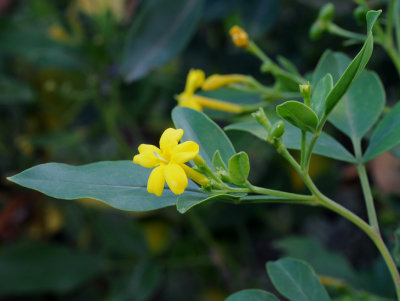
<point x="89" y="80"/>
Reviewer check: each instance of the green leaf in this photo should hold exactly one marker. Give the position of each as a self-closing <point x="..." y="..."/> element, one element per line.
<point x="298" y="114"/>
<point x="360" y="107"/>
<point x="386" y="135"/>
<point x="320" y="93"/>
<point x="325" y="146"/>
<point x="160" y="33"/>
<point x="31" y="267"/>
<point x="217" y="162"/>
<point x="355" y="67"/>
<point x="202" y="130"/>
<point x="120" y="184"/>
<point x="252" y="295"/>
<point x="296" y="280"/>
<point x="334" y="63"/>
<point x="188" y="201"/>
<point x="239" y="168"/>
<point x="396" y="249"/>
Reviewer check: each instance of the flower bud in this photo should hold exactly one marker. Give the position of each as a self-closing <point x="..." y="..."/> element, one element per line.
<point x="327" y="12"/>
<point x="316" y="30"/>
<point x="277" y="130"/>
<point x="305" y="90"/>
<point x="262" y="119"/>
<point x="217" y="81"/>
<point x="239" y="37"/>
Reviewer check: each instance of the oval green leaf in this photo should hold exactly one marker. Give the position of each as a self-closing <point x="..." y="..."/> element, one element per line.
<point x="120" y="184"/>
<point x="202" y="130"/>
<point x="239" y="168"/>
<point x="386" y="135"/>
<point x="298" y="114"/>
<point x="296" y="280"/>
<point x="252" y="295"/>
<point x="360" y="107"/>
<point x="326" y="145"/>
<point x="320" y="93"/>
<point x="159" y="33"/>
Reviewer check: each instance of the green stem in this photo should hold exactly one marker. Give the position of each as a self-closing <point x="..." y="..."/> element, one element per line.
<point x="397" y="25"/>
<point x="336" y="30"/>
<point x="269" y="66"/>
<point x="389" y="20"/>
<point x="373" y="234"/>
<point x="362" y="173"/>
<point x="303" y="148"/>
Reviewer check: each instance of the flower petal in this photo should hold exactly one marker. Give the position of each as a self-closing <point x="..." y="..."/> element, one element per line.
<point x="147" y="159"/>
<point x="148" y="148"/>
<point x="156" y="181"/>
<point x="176" y="178"/>
<point x="169" y="139"/>
<point x="184" y="152"/>
<point x="194" y="80"/>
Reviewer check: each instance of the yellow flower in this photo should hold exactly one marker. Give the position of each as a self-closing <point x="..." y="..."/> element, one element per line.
<point x="98" y="7"/>
<point x="239" y="37"/>
<point x="187" y="98"/>
<point x="217" y="81"/>
<point x="169" y="162"/>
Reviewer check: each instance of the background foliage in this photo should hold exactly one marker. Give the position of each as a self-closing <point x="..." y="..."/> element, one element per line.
<point x="82" y="83"/>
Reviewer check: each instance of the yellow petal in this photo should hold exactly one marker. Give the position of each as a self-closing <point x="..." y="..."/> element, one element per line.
<point x="184" y="152"/>
<point x="176" y="178"/>
<point x="196" y="176"/>
<point x="217" y="81"/>
<point x="156" y="181"/>
<point x="146" y="157"/>
<point x="194" y="80"/>
<point x="169" y="139"/>
<point x="218" y="104"/>
<point x="148" y="148"/>
<point x="187" y="101"/>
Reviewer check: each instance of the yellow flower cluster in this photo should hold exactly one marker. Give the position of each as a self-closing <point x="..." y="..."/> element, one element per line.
<point x="196" y="79"/>
<point x="169" y="162"/>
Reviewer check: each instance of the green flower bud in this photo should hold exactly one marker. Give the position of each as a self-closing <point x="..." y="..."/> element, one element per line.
<point x="305" y="90"/>
<point x="316" y="30"/>
<point x="277" y="130"/>
<point x="327" y="12"/>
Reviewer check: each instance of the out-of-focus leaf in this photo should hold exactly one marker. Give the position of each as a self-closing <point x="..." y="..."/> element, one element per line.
<point x="28" y="268"/>
<point x="356" y="66"/>
<point x="325" y="146"/>
<point x="259" y="16"/>
<point x="14" y="92"/>
<point x="139" y="285"/>
<point x="324" y="262"/>
<point x="386" y="135"/>
<point x="298" y="114"/>
<point x="252" y="295"/>
<point x="296" y="280"/>
<point x="160" y="33"/>
<point x="120" y="184"/>
<point x="205" y="132"/>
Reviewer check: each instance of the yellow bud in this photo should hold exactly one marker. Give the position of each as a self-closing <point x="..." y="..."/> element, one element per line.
<point x="199" y="161"/>
<point x="239" y="37"/>
<point x="219" y="105"/>
<point x="217" y="81"/>
<point x="196" y="176"/>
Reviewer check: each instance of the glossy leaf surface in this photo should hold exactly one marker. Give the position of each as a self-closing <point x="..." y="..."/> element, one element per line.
<point x="326" y="145"/>
<point x="205" y="132"/>
<point x="120" y="184"/>
<point x="298" y="114"/>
